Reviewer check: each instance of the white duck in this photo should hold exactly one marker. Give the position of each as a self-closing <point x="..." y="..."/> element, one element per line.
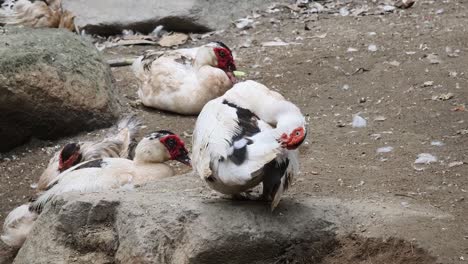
<point x="184" y="80"/>
<point x="116" y="144"/>
<point x="99" y="175"/>
<point x="38" y="13"/>
<point x="247" y="136"/>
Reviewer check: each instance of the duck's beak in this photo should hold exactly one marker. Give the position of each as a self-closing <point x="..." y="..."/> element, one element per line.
<point x="185" y="159"/>
<point x="232" y="77"/>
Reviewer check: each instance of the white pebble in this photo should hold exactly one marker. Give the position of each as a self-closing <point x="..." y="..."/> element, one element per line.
<point x="372" y="47"/>
<point x="437" y="143"/>
<point x="425" y="158"/>
<point x="385" y="149"/>
<point x="358" y="121"/>
<point x="344" y="11"/>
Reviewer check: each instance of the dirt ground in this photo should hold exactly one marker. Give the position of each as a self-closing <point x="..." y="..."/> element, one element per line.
<point x="401" y="89"/>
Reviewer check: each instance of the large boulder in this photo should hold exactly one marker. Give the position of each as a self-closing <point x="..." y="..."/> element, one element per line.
<point x="52" y="83"/>
<point x="179" y="221"/>
<point x="107" y="17"/>
<point x="174" y="221"/>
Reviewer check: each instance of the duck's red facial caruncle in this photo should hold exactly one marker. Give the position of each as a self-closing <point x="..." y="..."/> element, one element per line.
<point x="294" y="139"/>
<point x="69" y="156"/>
<point x="226" y="62"/>
<point x="176" y="148"/>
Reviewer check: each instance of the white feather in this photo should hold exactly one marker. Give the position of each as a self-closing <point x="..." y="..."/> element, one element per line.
<point x="17" y="226"/>
<point x="215" y="126"/>
<point x="263" y="150"/>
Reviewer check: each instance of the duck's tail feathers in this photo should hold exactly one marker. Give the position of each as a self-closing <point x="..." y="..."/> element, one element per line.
<point x="129" y="129"/>
<point x="137" y="67"/>
<point x="120" y="142"/>
<point x="132" y="123"/>
<point x="17" y="226"/>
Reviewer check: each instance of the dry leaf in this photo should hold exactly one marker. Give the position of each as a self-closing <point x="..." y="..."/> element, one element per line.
<point x="403" y="4"/>
<point x="173" y="39"/>
<point x="140" y="37"/>
<point x="127" y="42"/>
<point x="443" y="97"/>
<point x="433" y="58"/>
<point x="459" y="108"/>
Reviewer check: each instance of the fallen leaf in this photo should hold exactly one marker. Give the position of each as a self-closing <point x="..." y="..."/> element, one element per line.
<point x="274" y="43"/>
<point x="455" y="164"/>
<point x="128" y="42"/>
<point x="428" y="83"/>
<point x="459" y="108"/>
<point x="433" y="59"/>
<point x="244" y="23"/>
<point x="380" y="118"/>
<point x="140" y="37"/>
<point x="321" y="36"/>
<point x="403" y="4"/>
<point x="443" y="97"/>
<point x="173" y="39"/>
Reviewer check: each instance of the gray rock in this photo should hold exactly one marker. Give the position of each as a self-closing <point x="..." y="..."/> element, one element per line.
<point x="173" y="221"/>
<point x="108" y="17"/>
<point x="52" y="83"/>
<point x="180" y="221"/>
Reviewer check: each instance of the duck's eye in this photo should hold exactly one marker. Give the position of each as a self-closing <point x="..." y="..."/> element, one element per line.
<point x="222" y="54"/>
<point x="298" y="133"/>
<point x="171" y="143"/>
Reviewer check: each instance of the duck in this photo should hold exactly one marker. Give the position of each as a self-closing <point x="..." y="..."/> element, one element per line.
<point x="99" y="175"/>
<point x="240" y="141"/>
<point x="37" y="14"/>
<point x="120" y="142"/>
<point x="184" y="80"/>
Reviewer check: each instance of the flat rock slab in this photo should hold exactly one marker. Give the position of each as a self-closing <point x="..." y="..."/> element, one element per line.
<point x="179" y="221"/>
<point x="108" y="17"/>
<point x="52" y="83"/>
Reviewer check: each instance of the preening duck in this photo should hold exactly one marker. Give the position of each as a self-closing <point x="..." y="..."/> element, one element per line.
<point x="116" y="144"/>
<point x="99" y="175"/>
<point x="36" y="13"/>
<point x="184" y="80"/>
<point x="248" y="136"/>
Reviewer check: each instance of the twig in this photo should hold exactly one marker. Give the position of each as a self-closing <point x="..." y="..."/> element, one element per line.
<point x="121" y="62"/>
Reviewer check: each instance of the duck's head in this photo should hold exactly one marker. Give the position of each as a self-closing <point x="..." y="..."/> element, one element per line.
<point x="217" y="54"/>
<point x="294" y="139"/>
<point x="69" y="156"/>
<point x="161" y="146"/>
<point x="294" y="132"/>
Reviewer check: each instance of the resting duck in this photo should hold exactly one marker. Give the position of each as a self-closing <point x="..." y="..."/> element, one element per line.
<point x="184" y="80"/>
<point x="36" y="13"/>
<point x="117" y="144"/>
<point x="240" y="141"/>
<point x="99" y="175"/>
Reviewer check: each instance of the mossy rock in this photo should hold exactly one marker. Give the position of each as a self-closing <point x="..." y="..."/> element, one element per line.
<point x="52" y="84"/>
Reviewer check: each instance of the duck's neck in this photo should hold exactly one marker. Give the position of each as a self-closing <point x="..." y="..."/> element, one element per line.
<point x="203" y="58"/>
<point x="148" y="155"/>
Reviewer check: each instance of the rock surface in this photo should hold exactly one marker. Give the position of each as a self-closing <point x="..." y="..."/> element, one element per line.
<point x="107" y="17"/>
<point x="179" y="221"/>
<point x="52" y="83"/>
<point x="173" y="221"/>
